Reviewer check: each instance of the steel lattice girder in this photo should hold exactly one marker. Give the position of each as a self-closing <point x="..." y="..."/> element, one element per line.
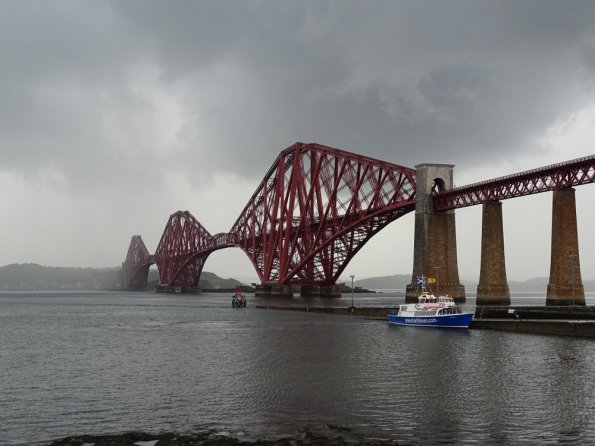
<point x="316" y="208"/>
<point x="556" y="176"/>
<point x="136" y="266"/>
<point x="182" y="250"/>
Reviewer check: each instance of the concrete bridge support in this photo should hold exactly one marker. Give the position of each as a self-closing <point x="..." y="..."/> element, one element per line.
<point x="263" y="290"/>
<point x="493" y="286"/>
<point x="310" y="290"/>
<point x="320" y="291"/>
<point x="330" y="291"/>
<point x="435" y="244"/>
<point x="565" y="286"/>
<point x="305" y="291"/>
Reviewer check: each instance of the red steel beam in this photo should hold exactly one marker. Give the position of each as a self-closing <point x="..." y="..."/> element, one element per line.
<point x="556" y="176"/>
<point x="135" y="268"/>
<point x="183" y="249"/>
<point x="177" y="253"/>
<point x="316" y="208"/>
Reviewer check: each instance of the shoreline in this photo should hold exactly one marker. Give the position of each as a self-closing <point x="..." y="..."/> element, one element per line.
<point x="560" y="321"/>
<point x="337" y="436"/>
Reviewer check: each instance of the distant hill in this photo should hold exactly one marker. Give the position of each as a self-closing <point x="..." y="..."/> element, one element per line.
<point x="31" y="276"/>
<point x="394" y="282"/>
<point x="400" y="282"/>
<point x="34" y="277"/>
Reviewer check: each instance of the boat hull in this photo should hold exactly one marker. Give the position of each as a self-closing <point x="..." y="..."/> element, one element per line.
<point x="461" y="320"/>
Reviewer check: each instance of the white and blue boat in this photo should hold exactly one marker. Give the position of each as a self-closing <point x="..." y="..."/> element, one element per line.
<point x="430" y="311"/>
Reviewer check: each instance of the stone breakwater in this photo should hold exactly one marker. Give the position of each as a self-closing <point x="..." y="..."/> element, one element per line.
<point x="366" y="312"/>
<point x="562" y="321"/>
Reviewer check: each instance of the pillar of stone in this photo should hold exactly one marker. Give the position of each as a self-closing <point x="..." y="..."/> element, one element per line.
<point x="493" y="286"/>
<point x="435" y="243"/>
<point x="565" y="286"/>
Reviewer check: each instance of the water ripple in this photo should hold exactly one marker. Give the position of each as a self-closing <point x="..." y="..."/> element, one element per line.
<point x="150" y="362"/>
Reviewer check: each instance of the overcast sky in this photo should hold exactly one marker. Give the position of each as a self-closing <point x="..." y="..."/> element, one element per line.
<point x="115" y="114"/>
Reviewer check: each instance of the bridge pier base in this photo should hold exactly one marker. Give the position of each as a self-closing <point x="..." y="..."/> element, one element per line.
<point x="273" y="290"/>
<point x="262" y="290"/>
<point x="281" y="290"/>
<point x="330" y="291"/>
<point x="310" y="291"/>
<point x="565" y="286"/>
<point x="493" y="286"/>
<point x="177" y="289"/>
<point x="435" y="244"/>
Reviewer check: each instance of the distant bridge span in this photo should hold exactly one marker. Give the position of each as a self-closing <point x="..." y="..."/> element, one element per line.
<point x="136" y="266"/>
<point x="317" y="206"/>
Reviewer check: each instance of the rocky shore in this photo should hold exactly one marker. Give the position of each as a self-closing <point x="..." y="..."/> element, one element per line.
<point x="211" y="438"/>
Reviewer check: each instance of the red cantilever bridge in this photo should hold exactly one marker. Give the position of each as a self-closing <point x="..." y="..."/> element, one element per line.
<point x="317" y="206"/>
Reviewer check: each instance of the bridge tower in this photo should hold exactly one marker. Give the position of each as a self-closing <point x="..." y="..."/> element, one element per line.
<point x="435" y="244"/>
<point x="135" y="269"/>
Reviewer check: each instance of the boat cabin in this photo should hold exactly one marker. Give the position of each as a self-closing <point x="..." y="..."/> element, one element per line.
<point x="447" y="301"/>
<point x="427" y="298"/>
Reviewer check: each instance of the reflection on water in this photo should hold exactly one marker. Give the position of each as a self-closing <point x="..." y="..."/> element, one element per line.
<point x="108" y="362"/>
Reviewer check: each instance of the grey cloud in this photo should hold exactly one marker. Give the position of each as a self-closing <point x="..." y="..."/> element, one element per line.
<point x="404" y="81"/>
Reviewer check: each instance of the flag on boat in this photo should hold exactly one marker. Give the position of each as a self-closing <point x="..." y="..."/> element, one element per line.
<point x="421" y="280"/>
<point x="431" y="280"/>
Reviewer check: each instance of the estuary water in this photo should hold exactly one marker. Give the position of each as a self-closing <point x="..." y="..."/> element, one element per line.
<point x="103" y="363"/>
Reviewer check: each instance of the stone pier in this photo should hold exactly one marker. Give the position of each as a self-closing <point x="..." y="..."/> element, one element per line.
<point x="330" y="291"/>
<point x="435" y="244"/>
<point x="310" y="291"/>
<point x="320" y="291"/>
<point x="565" y="286"/>
<point x="493" y="286"/>
<point x="262" y="290"/>
<point x="281" y="290"/>
<point x="273" y="290"/>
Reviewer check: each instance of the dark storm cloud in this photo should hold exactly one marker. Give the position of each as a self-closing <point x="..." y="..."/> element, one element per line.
<point x="132" y="89"/>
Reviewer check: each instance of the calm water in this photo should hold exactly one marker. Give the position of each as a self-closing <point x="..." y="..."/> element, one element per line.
<point x="107" y="362"/>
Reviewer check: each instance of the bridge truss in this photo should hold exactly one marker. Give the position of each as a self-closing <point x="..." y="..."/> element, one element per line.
<point x="183" y="249"/>
<point x="556" y="176"/>
<point x="316" y="208"/>
<point x="135" y="268"/>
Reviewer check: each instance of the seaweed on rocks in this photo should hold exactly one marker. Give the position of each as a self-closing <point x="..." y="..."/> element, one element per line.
<point x="211" y="438"/>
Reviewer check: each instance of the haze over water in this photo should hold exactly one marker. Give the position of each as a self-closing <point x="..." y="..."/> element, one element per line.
<point x="99" y="363"/>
